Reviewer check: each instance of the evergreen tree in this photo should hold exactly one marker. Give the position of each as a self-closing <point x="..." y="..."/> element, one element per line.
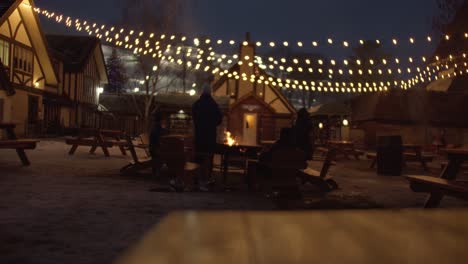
<point x="116" y="72"/>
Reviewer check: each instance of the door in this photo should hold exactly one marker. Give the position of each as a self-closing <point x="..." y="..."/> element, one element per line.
<point x="1" y="110"/>
<point x="249" y="135"/>
<point x="33" y="109"/>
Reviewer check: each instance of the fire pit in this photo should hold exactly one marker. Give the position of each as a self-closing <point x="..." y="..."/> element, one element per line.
<point x="230" y="148"/>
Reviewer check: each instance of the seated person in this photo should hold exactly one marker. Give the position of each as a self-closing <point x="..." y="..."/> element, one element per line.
<point x="261" y="171"/>
<point x="284" y="142"/>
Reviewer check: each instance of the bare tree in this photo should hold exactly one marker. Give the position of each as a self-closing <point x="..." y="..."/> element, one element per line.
<point x="158" y="73"/>
<point x="447" y="10"/>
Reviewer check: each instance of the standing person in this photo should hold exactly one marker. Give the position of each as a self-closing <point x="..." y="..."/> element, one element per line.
<point x="302" y="133"/>
<point x="206" y="118"/>
<point x="158" y="129"/>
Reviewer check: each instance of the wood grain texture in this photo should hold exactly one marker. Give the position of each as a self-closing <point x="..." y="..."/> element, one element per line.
<point x="319" y="237"/>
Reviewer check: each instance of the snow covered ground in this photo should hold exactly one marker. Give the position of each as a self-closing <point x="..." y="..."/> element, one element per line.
<point x="78" y="209"/>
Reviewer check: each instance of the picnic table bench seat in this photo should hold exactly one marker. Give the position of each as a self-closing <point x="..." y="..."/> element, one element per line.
<point x="18" y="144"/>
<point x="410" y="156"/>
<point x="12" y="142"/>
<point x="463" y="167"/>
<point x="94" y="138"/>
<point x="427" y="184"/>
<point x="446" y="184"/>
<point x="85" y="142"/>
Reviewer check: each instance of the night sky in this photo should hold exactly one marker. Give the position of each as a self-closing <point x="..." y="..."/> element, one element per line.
<point x="293" y="19"/>
<point x="279" y="19"/>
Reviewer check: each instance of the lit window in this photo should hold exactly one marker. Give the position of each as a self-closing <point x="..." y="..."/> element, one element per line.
<point x="5" y="52"/>
<point x="23" y="60"/>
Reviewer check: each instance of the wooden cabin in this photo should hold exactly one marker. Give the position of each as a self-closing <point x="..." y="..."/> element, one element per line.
<point x="81" y="70"/>
<point x="429" y="113"/>
<point x="124" y="111"/>
<point x="28" y="68"/>
<point x="257" y="112"/>
<point x="331" y="121"/>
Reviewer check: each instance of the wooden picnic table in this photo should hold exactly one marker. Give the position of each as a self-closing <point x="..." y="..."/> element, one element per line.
<point x="12" y="142"/>
<point x="411" y="152"/>
<point x="361" y="237"/>
<point x="414" y="152"/>
<point x="446" y="183"/>
<point x="344" y="147"/>
<point x="98" y="138"/>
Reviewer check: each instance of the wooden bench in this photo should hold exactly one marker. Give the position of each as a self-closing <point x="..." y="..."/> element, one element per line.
<point x="322" y="178"/>
<point x="463" y="167"/>
<point x="137" y="164"/>
<point x="95" y="138"/>
<point x="12" y="142"/>
<point x="18" y="144"/>
<point x="345" y="148"/>
<point x="427" y="184"/>
<point x="144" y="144"/>
<point x="446" y="184"/>
<point x="407" y="157"/>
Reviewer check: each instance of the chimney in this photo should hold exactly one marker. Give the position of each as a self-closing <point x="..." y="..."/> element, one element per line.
<point x="247" y="37"/>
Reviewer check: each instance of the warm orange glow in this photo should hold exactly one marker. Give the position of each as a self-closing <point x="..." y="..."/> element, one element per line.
<point x="229" y="140"/>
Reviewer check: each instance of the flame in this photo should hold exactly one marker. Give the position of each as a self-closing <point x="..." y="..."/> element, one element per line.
<point x="229" y="140"/>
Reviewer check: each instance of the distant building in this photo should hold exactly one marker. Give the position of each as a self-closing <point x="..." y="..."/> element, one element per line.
<point x="28" y="68"/>
<point x="124" y="112"/>
<point x="257" y="112"/>
<point x="331" y="121"/>
<point x="419" y="116"/>
<point x="434" y="112"/>
<point x="48" y="82"/>
<point x="82" y="74"/>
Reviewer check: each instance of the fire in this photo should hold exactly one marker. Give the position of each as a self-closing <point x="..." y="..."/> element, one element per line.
<point x="229" y="140"/>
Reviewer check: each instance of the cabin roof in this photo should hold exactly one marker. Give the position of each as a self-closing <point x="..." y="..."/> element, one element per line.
<point x="74" y="51"/>
<point x="412" y="107"/>
<point x="5" y="5"/>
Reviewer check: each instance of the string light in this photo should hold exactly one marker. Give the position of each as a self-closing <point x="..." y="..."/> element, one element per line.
<point x="130" y="40"/>
<point x="59" y="19"/>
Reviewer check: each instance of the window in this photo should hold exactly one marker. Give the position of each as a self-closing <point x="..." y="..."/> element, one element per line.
<point x="5" y="52"/>
<point x="23" y="59"/>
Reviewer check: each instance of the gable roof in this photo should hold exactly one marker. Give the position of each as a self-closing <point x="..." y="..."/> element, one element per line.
<point x="415" y="106"/>
<point x="5" y="6"/>
<point x="35" y="34"/>
<point x="331" y="109"/>
<point x="75" y="51"/>
<point x="456" y="29"/>
<point x="261" y="72"/>
<point x="455" y="47"/>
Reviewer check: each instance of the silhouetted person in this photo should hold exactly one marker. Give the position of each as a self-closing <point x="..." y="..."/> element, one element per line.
<point x="158" y="129"/>
<point x="261" y="171"/>
<point x="206" y="118"/>
<point x="302" y="133"/>
<point x="286" y="141"/>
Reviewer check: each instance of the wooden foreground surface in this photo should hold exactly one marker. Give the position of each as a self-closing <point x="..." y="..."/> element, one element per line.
<point x="310" y="237"/>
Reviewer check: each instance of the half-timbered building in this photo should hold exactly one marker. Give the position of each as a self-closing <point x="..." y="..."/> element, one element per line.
<point x="27" y="66"/>
<point x="257" y="111"/>
<point x="80" y="66"/>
